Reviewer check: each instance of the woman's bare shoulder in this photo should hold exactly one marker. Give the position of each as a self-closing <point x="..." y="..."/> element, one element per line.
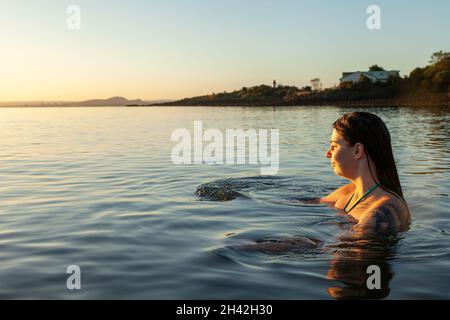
<point x="388" y="211"/>
<point x="338" y="193"/>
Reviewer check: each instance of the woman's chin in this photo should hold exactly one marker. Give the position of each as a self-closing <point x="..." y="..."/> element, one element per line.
<point x="338" y="172"/>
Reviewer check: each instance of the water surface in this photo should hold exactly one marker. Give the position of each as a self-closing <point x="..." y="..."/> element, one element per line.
<point x="96" y="187"/>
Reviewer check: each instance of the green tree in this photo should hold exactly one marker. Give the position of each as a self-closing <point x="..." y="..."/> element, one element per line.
<point x="441" y="80"/>
<point x="416" y="76"/>
<point x="439" y="56"/>
<point x="306" y="88"/>
<point x="375" y="67"/>
<point x="316" y="84"/>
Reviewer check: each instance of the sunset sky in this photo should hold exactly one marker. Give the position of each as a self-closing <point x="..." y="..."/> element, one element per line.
<point x="182" y="48"/>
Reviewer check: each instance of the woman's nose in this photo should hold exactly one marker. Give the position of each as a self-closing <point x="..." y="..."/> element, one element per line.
<point x="328" y="154"/>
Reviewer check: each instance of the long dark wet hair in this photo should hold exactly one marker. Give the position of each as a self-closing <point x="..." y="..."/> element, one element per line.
<point x="369" y="130"/>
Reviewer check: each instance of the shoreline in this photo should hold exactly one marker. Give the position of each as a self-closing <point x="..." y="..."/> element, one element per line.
<point x="388" y="103"/>
<point x="355" y="103"/>
<point x="325" y="98"/>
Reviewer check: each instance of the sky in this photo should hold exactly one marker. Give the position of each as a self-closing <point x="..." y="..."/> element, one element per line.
<point x="171" y="49"/>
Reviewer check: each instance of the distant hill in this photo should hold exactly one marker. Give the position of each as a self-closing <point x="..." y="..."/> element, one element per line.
<point x="258" y="95"/>
<point x="110" y="102"/>
<point x="113" y="101"/>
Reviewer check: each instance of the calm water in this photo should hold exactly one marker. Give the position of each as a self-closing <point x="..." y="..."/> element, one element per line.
<point x="95" y="187"/>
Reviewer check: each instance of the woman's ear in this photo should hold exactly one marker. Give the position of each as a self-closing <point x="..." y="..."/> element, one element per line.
<point x="358" y="150"/>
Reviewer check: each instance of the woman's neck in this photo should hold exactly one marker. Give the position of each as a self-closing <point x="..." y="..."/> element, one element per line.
<point x="364" y="179"/>
<point x="363" y="184"/>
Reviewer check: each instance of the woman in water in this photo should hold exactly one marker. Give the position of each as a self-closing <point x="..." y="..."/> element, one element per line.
<point x="360" y="151"/>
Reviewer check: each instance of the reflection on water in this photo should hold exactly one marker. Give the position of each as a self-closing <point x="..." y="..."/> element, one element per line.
<point x="95" y="187"/>
<point x="356" y="251"/>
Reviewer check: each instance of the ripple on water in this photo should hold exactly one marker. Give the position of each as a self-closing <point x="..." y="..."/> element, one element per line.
<point x="96" y="188"/>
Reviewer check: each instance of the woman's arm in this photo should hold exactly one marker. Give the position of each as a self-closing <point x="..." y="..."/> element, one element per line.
<point x="384" y="216"/>
<point x="312" y="201"/>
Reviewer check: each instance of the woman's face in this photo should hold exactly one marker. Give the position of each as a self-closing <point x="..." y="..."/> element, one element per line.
<point x="341" y="155"/>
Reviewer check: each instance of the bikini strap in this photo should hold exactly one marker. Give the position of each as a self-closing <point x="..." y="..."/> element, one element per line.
<point x="349" y="201"/>
<point x="362" y="198"/>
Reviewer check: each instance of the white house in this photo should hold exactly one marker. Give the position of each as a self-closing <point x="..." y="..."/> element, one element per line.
<point x="374" y="76"/>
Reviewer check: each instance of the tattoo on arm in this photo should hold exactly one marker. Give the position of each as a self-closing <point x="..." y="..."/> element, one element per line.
<point x="385" y="216"/>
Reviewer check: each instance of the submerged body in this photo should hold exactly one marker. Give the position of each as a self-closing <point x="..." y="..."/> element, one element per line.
<point x="361" y="152"/>
<point x="379" y="210"/>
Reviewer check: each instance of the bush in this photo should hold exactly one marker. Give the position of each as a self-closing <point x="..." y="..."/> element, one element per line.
<point x="346" y="85"/>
